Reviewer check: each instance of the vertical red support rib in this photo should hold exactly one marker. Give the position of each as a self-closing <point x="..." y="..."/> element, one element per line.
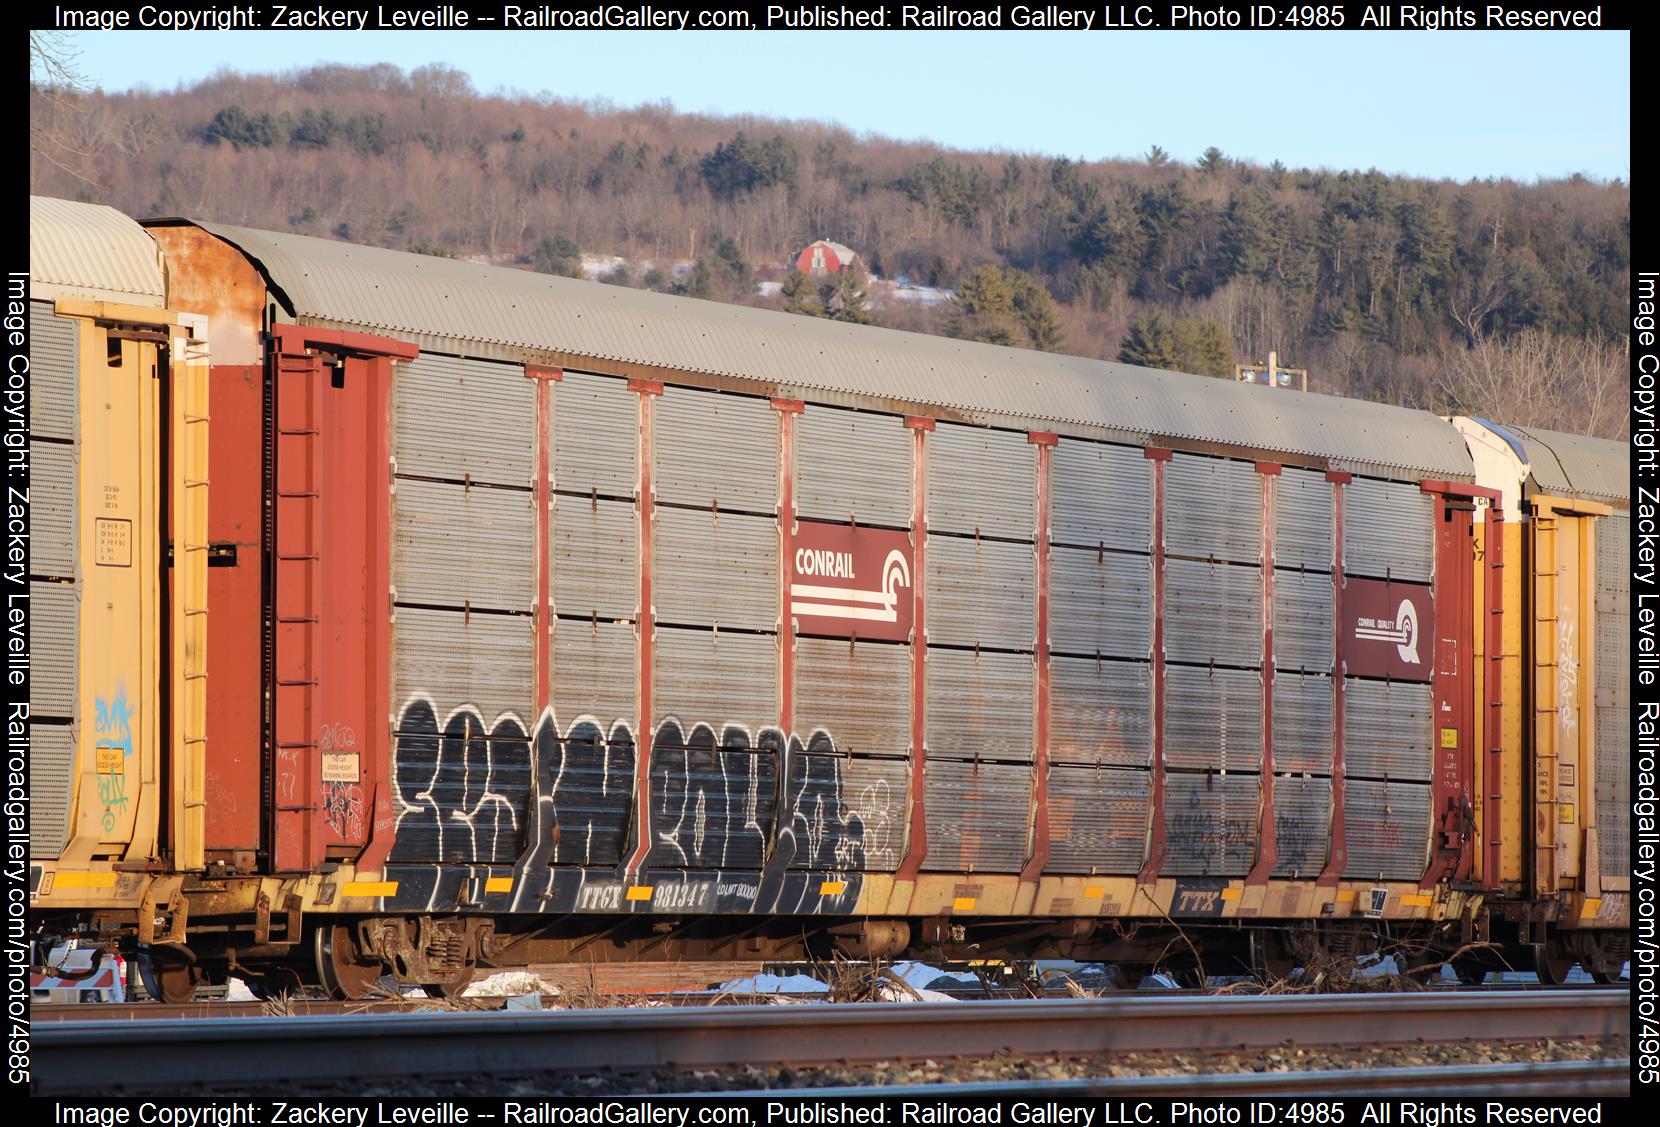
<point x="1268" y="851"/>
<point x="1045" y="444"/>
<point x="377" y="775"/>
<point x="1337" y="855"/>
<point x="918" y="847"/>
<point x="1494" y="686"/>
<point x="787" y="410"/>
<point x="543" y="500"/>
<point x="647" y="625"/>
<point x="1155" y="796"/>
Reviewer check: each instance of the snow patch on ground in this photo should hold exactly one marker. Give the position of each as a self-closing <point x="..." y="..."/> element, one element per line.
<point x="237" y="991"/>
<point x="774" y="984"/>
<point x="509" y="984"/>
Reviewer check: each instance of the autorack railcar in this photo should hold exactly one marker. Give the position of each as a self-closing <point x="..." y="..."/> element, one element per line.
<point x="553" y="621"/>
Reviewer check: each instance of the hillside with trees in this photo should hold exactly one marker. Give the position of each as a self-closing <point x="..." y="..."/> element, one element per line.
<point x="1494" y="297"/>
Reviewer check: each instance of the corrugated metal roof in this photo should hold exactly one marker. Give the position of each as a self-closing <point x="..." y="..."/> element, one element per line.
<point x="466" y="303"/>
<point x="94" y="252"/>
<point x="1576" y="465"/>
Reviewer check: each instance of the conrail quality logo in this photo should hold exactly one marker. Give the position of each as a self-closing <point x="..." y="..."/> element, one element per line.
<point x="1389" y="626"/>
<point x="1402" y="630"/>
<point x="848" y="581"/>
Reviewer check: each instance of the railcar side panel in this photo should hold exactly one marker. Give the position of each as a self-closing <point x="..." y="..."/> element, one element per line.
<point x="1613" y="696"/>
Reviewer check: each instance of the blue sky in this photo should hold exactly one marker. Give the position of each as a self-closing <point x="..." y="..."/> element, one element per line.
<point x="1456" y="104"/>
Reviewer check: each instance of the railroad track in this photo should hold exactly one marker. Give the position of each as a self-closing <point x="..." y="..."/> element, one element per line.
<point x="1546" y="1078"/>
<point x="264" y="1053"/>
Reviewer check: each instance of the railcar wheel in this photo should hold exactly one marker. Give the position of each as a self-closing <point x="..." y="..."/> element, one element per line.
<point x="1469" y="972"/>
<point x="169" y="977"/>
<point x="1271" y="958"/>
<point x="1128" y="976"/>
<point x="1552" y="968"/>
<point x="1603" y="977"/>
<point x="341" y="967"/>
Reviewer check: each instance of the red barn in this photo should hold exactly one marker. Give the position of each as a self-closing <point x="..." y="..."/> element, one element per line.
<point x="824" y="257"/>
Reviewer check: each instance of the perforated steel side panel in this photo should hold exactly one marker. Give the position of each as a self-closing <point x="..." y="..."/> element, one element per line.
<point x="1213" y="719"/>
<point x="1100" y="496"/>
<point x="462" y="792"/>
<point x="1303" y="520"/>
<point x="1099" y="603"/>
<point x="594" y="674"/>
<point x="596" y="435"/>
<point x="596" y="557"/>
<point x="1386" y="826"/>
<point x="456" y="419"/>
<point x="981" y="480"/>
<point x="54" y="636"/>
<point x="978" y="816"/>
<point x="979" y="705"/>
<point x="54" y="535"/>
<point x="1613" y="694"/>
<point x="1386" y="730"/>
<point x="1097" y="820"/>
<point x="711" y="809"/>
<point x="1212" y="612"/>
<point x="876" y="792"/>
<point x="54" y="373"/>
<point x="452" y="659"/>
<point x="723" y="680"/>
<point x="51" y="774"/>
<point x="853" y="466"/>
<point x="715" y="449"/>
<point x="1210" y="824"/>
<point x="455" y="546"/>
<point x="1613" y="791"/>
<point x="1388" y="530"/>
<point x="1303" y="630"/>
<point x="1302" y="825"/>
<point x="1100" y="712"/>
<point x="1212" y="509"/>
<point x="980" y="593"/>
<point x="1302" y="723"/>
<point x="844" y="814"/>
<point x="1614" y="564"/>
<point x="859" y="695"/>
<point x="716" y="569"/>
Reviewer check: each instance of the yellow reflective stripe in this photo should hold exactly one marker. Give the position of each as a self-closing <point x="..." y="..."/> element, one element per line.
<point x="84" y="880"/>
<point x="639" y="892"/>
<point x="369" y="888"/>
<point x="1415" y="900"/>
<point x="498" y="884"/>
<point x="1232" y="893"/>
<point x="964" y="904"/>
<point x="832" y="888"/>
<point x="1094" y="891"/>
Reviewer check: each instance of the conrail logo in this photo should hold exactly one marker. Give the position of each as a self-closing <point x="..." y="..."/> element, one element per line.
<point x="849" y="581"/>
<point x="1402" y="630"/>
<point x="880" y="604"/>
<point x="1387" y="624"/>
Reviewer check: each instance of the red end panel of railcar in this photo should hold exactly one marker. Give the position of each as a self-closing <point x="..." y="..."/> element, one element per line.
<point x="329" y="589"/>
<point x="207" y="275"/>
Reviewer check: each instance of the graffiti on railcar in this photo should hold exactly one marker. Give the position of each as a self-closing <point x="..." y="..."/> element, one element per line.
<point x="113" y="743"/>
<point x="737" y="824"/>
<point x="462" y="792"/>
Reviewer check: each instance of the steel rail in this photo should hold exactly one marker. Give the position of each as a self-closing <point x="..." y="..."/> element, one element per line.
<point x="44" y="1012"/>
<point x="1546" y="1078"/>
<point x="262" y="1052"/>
